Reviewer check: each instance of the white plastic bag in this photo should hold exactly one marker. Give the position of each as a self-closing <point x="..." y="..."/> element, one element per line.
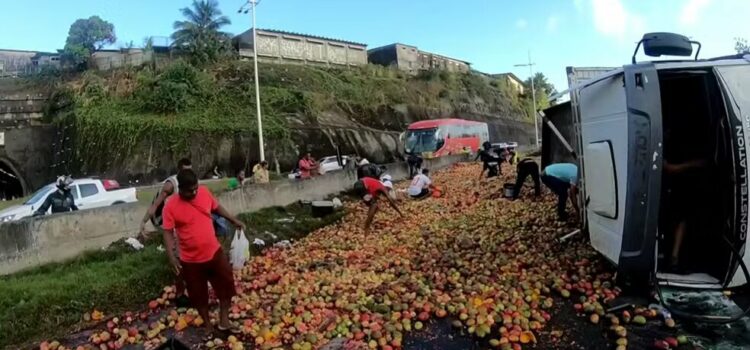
<point x="239" y="253"/>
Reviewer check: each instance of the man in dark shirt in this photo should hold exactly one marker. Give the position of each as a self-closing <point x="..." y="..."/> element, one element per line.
<point x="490" y="159"/>
<point x="61" y="200"/>
<point x="415" y="164"/>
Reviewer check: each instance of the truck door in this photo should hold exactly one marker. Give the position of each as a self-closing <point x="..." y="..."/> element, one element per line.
<point x="735" y="82"/>
<point x="604" y="146"/>
<point x="637" y="261"/>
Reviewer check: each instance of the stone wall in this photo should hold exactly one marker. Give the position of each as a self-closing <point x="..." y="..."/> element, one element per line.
<point x="36" y="241"/>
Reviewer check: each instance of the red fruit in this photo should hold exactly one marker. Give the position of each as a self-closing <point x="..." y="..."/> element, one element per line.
<point x="578" y="307"/>
<point x="144" y="316"/>
<point x="153" y="304"/>
<point x="111" y="325"/>
<point x="44" y="346"/>
<point x="423" y="316"/>
<point x="441" y="313"/>
<point x="672" y="342"/>
<point x="273" y="278"/>
<point x="132" y="332"/>
<point x="661" y="345"/>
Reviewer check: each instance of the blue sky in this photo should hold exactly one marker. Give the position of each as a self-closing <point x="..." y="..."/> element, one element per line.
<point x="492" y="34"/>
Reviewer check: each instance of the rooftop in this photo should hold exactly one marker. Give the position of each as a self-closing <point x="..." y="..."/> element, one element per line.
<point x="282" y="32"/>
<point x="511" y="75"/>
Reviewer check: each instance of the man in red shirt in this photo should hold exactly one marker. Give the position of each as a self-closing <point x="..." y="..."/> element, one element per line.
<point x="188" y="216"/>
<point x="370" y="190"/>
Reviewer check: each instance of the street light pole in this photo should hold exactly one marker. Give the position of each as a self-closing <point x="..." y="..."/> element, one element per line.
<point x="257" y="83"/>
<point x="533" y="95"/>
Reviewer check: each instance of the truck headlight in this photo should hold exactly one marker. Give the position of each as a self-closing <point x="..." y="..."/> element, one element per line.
<point x="7" y="218"/>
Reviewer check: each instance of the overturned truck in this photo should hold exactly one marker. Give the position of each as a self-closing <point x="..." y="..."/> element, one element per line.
<point x="662" y="151"/>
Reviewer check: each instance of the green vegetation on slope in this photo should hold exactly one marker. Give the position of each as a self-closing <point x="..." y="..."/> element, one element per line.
<point x="49" y="301"/>
<point x="119" y="110"/>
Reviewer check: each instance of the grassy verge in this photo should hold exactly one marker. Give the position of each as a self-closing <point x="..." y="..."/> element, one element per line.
<point x="49" y="301"/>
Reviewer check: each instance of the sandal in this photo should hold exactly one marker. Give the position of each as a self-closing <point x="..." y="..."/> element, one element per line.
<point x="231" y="329"/>
<point x="207" y="338"/>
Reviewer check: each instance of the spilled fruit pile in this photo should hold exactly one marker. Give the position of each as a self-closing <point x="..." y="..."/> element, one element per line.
<point x="490" y="266"/>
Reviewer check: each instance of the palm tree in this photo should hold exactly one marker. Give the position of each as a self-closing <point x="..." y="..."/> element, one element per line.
<point x="200" y="33"/>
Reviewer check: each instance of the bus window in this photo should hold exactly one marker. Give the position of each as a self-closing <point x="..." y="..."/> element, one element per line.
<point x="422" y="140"/>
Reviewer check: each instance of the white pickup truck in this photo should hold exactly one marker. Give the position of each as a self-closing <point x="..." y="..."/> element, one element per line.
<point x="88" y="193"/>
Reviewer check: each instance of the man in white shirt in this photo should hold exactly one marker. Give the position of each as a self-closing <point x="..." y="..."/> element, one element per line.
<point x="420" y="185"/>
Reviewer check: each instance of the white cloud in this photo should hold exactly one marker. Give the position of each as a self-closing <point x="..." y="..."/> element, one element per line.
<point x="691" y="12"/>
<point x="521" y="23"/>
<point x="552" y="23"/>
<point x="612" y="19"/>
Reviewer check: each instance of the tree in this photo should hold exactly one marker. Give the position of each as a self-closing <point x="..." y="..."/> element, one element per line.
<point x="741" y="45"/>
<point x="544" y="89"/>
<point x="200" y="33"/>
<point x="86" y="36"/>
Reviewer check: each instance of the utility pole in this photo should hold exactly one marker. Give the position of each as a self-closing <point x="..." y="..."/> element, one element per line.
<point x="533" y="95"/>
<point x="252" y="4"/>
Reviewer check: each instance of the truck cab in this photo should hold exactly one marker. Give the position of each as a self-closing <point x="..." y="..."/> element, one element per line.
<point x="661" y="148"/>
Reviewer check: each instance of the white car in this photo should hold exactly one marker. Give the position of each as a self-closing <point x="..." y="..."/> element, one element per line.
<point x="87" y="193"/>
<point x="330" y="163"/>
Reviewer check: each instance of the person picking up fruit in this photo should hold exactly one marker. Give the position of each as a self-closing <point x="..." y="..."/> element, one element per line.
<point x="562" y="179"/>
<point x="421" y="185"/>
<point x="188" y="217"/>
<point x="370" y="190"/>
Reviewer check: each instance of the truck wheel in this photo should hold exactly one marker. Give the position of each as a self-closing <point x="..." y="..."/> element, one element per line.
<point x="118" y="203"/>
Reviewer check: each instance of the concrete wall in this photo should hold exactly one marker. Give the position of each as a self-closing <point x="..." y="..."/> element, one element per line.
<point x="284" y="47"/>
<point x="15" y="61"/>
<point x="410" y="59"/>
<point x="106" y="60"/>
<point x="33" y="242"/>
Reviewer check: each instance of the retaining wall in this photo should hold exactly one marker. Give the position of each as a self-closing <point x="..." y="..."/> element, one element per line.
<point x="36" y="241"/>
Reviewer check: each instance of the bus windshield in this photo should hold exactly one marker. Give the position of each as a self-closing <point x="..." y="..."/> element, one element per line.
<point x="422" y="140"/>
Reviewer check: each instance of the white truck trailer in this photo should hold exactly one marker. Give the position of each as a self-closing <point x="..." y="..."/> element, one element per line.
<point x="632" y="122"/>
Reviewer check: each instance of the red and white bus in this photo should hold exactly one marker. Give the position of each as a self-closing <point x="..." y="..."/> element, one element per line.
<point x="441" y="137"/>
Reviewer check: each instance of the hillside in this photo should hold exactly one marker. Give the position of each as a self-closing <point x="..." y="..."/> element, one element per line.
<point x="145" y="118"/>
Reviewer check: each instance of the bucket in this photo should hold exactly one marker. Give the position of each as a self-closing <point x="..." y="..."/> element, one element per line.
<point x="509" y="190"/>
<point x="321" y="208"/>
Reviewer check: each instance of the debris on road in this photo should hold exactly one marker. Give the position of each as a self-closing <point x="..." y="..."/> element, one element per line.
<point x="133" y="242"/>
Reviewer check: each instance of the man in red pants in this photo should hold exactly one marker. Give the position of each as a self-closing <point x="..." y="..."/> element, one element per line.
<point x="188" y="216"/>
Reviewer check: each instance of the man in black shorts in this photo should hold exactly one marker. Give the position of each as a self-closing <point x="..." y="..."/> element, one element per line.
<point x="525" y="168"/>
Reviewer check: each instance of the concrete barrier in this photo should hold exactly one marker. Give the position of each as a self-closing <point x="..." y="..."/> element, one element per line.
<point x="37" y="241"/>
